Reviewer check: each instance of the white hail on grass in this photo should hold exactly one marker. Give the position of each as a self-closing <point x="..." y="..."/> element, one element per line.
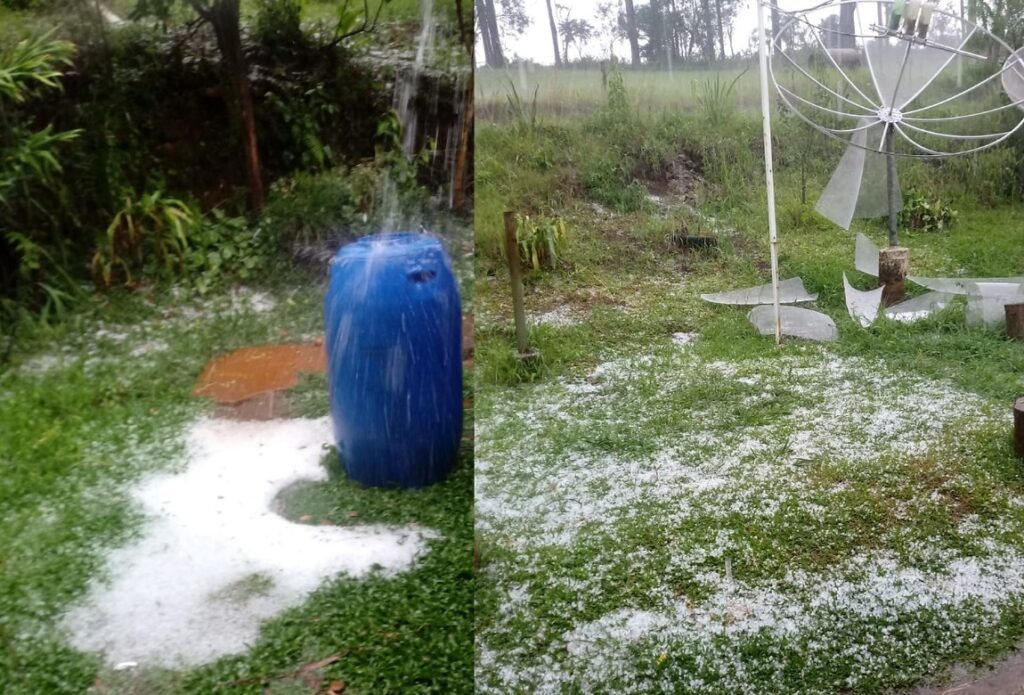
<point x="214" y="559"/>
<point x="551" y="475"/>
<point x="558" y="317"/>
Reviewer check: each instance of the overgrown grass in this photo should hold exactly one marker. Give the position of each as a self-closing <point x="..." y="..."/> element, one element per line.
<point x="92" y="404"/>
<point x="575" y="92"/>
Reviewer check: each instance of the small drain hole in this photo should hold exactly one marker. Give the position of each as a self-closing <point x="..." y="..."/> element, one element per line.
<point x="422" y="276"/>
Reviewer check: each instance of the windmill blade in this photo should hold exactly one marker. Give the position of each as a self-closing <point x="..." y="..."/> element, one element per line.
<point x="866" y="256"/>
<point x="902" y="70"/>
<point x="858" y="187"/>
<point x="1013" y="77"/>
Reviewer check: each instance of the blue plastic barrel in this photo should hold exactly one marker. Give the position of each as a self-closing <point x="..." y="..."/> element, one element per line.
<point x="394" y="359"/>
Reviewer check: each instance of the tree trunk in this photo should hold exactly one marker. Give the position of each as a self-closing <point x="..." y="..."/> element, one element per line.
<point x="461" y="174"/>
<point x="708" y="33"/>
<point x="721" y="31"/>
<point x="488" y="23"/>
<point x="1015" y="321"/>
<point x="846" y="26"/>
<point x="485" y="32"/>
<point x="634" y="39"/>
<point x="554" y="33"/>
<point x="492" y="18"/>
<point x="224" y="15"/>
<point x="1018" y="427"/>
<point x="460" y="177"/>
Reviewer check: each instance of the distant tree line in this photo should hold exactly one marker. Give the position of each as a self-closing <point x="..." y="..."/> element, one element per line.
<point x="663" y="32"/>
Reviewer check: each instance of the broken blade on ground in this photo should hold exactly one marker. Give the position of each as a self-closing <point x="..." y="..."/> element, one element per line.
<point x="919" y="307"/>
<point x="959" y="285"/>
<point x="866" y="256"/>
<point x="862" y="305"/>
<point x="986" y="302"/>
<point x="790" y="292"/>
<point x="796" y="322"/>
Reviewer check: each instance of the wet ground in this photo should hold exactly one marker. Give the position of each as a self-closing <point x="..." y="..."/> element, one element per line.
<point x="251" y="383"/>
<point x="248" y="384"/>
<point x="1005" y="678"/>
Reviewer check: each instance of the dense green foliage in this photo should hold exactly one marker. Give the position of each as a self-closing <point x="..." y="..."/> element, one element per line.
<point x="119" y="167"/>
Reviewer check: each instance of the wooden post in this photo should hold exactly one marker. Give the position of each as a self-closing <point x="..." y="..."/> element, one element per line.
<point x="1015" y="321"/>
<point x="516" y="274"/>
<point x="1018" y="427"/>
<point x="893" y="262"/>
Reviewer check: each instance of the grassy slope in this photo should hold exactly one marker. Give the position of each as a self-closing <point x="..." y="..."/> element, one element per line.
<point x="621" y="277"/>
<point x="73" y="439"/>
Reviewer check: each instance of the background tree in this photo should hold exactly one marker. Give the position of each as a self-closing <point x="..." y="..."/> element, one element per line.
<point x="631" y="33"/>
<point x="554" y="32"/>
<point x="225" y="18"/>
<point x="574" y="32"/>
<point x="495" y="24"/>
<point x="610" y="27"/>
<point x="487" y="22"/>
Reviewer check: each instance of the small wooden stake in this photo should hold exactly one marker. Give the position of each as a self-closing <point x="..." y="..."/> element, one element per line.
<point x="1018" y="427"/>
<point x="893" y="262"/>
<point x="515" y="272"/>
<point x="1015" y="321"/>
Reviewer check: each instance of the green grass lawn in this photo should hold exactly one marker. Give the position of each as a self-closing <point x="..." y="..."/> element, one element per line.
<point x="713" y="514"/>
<point x="89" y="408"/>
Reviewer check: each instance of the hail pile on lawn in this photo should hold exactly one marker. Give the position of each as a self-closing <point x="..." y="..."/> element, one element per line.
<point x="214" y="559"/>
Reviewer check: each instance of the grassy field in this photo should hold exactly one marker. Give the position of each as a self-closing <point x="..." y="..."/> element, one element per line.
<point x="668" y="502"/>
<point x="578" y="91"/>
<point x="91" y="407"/>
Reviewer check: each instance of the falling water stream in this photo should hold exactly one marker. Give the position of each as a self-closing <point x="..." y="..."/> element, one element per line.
<point x="406" y="93"/>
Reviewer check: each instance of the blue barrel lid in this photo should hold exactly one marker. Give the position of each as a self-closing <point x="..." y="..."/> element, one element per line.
<point x="389" y="245"/>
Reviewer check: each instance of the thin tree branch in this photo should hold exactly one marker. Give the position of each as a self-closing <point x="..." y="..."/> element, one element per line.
<point x="366" y="26"/>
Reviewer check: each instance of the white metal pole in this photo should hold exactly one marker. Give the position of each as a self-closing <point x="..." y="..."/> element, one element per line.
<point x="769" y="173"/>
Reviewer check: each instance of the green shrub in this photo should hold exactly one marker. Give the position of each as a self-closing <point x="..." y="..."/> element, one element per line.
<point x="541" y="241"/>
<point x="921" y="214"/>
<point x="278" y="24"/>
<point x="225" y="248"/>
<point x="309" y="208"/>
<point x="147" y="237"/>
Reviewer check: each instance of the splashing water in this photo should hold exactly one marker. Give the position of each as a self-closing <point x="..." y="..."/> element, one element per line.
<point x="406" y="92"/>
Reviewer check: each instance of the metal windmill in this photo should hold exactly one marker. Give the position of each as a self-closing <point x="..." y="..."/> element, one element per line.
<point x="887" y="95"/>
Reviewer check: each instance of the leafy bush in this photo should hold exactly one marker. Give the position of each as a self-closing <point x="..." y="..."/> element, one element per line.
<point x="148" y="236"/>
<point x="32" y="261"/>
<point x="225" y="248"/>
<point x="927" y="216"/>
<point x="540" y="241"/>
<point x="278" y="24"/>
<point x="306" y="208"/>
<point x="297" y="120"/>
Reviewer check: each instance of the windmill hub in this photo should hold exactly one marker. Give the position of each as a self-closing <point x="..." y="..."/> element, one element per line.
<point x="887" y="114"/>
